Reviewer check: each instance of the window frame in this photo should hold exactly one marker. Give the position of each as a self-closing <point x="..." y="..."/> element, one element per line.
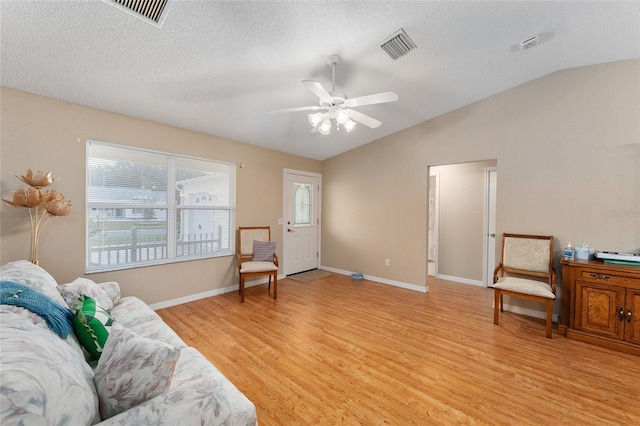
<point x="172" y="211"/>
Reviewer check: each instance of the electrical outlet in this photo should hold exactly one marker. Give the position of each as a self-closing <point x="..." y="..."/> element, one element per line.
<point x="387" y="262"/>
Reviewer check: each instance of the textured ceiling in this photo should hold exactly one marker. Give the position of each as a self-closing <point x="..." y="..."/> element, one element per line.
<point x="219" y="67"/>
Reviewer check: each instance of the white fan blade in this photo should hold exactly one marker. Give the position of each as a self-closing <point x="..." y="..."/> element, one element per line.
<point x="320" y="91"/>
<point x="364" y="119"/>
<point x="307" y="108"/>
<point x="378" y="98"/>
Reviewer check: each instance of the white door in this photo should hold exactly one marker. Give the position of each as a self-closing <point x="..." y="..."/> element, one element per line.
<point x="491" y="183"/>
<point x="301" y="221"/>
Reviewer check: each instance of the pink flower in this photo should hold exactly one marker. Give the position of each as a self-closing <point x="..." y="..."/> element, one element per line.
<point x="25" y="197"/>
<point x="39" y="179"/>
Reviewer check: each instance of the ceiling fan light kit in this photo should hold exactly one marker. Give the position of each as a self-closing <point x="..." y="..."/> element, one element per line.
<point x="338" y="107"/>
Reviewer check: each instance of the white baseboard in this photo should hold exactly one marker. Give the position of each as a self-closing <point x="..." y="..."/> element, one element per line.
<point x="460" y="280"/>
<point x="509" y="308"/>
<point x="216" y="292"/>
<point x="528" y="312"/>
<point x="400" y="284"/>
<point x="413" y="287"/>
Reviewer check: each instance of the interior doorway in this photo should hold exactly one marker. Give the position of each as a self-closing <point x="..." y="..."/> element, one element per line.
<point x="458" y="248"/>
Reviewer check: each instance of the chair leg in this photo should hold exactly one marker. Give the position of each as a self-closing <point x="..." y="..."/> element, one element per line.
<point x="275" y="285"/>
<point x="241" y="288"/>
<point x="269" y="282"/>
<point x="496" y="305"/>
<point x="549" y="317"/>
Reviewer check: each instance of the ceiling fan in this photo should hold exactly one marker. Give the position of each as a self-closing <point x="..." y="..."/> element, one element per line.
<point x="336" y="106"/>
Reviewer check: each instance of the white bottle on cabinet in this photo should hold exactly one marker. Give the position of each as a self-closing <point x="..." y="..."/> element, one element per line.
<point x="568" y="251"/>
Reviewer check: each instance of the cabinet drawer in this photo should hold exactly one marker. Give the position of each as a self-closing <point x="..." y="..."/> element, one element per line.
<point x="610" y="279"/>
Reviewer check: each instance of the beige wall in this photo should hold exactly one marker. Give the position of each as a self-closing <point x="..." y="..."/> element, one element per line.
<point x="43" y="133"/>
<point x="461" y="224"/>
<point x="567" y="147"/>
<point x="568" y="152"/>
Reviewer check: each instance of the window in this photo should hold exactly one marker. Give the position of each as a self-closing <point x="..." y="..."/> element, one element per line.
<point x="302" y="193"/>
<point x="146" y="207"/>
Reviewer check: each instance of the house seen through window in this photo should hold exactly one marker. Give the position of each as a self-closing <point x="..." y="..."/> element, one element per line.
<point x="146" y="207"/>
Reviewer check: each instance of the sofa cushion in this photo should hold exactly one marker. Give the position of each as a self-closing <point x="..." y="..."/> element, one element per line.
<point x="43" y="379"/>
<point x="158" y="330"/>
<point x="132" y="311"/>
<point x="33" y="276"/>
<point x="112" y="289"/>
<point x="199" y="395"/>
<point x="71" y="291"/>
<point x="91" y="324"/>
<point x="132" y="370"/>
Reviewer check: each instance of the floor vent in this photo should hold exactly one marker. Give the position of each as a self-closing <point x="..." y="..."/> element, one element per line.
<point x="151" y="11"/>
<point x="398" y="45"/>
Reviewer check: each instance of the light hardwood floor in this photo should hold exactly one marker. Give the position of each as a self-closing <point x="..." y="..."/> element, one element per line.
<point x="337" y="351"/>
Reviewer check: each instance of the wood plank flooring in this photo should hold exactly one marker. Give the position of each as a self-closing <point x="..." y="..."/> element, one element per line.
<point x="339" y="352"/>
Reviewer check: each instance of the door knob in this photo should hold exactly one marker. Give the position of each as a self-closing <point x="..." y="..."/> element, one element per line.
<point x="290" y="230"/>
<point x="492" y="235"/>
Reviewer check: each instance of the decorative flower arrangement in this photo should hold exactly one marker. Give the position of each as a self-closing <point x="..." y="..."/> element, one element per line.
<point x="42" y="205"/>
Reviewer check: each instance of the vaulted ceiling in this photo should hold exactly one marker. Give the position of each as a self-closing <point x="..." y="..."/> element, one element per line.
<point x="219" y="67"/>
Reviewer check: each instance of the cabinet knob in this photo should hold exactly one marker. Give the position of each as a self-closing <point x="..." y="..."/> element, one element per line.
<point x="600" y="276"/>
<point x="621" y="314"/>
<point x="629" y="315"/>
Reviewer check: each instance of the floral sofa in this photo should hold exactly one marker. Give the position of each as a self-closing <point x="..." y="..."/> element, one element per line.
<point x="145" y="374"/>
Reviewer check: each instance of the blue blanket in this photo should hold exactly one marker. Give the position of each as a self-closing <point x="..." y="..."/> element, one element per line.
<point x="58" y="317"/>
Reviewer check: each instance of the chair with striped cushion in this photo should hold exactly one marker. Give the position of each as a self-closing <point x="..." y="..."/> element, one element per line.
<point x="526" y="271"/>
<point x="257" y="256"/>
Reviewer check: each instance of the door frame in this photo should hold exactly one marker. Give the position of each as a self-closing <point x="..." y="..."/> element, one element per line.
<point x="436" y="219"/>
<point x="318" y="202"/>
<point x="488" y="207"/>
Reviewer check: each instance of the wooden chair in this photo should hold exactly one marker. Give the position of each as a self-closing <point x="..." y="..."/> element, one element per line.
<point x="263" y="262"/>
<point x="526" y="261"/>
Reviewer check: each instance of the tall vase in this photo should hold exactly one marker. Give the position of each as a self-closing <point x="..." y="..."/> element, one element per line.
<point x="37" y="223"/>
<point x="33" y="253"/>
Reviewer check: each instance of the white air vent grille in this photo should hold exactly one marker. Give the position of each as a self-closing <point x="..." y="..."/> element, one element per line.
<point x="152" y="11"/>
<point x="399" y="44"/>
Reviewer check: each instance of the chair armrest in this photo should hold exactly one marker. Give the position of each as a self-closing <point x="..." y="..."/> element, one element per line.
<point x="495" y="272"/>
<point x="243" y="258"/>
<point x="553" y="280"/>
<point x="275" y="258"/>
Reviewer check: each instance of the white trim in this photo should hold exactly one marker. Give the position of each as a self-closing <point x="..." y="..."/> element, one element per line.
<point x="461" y="280"/>
<point x="216" y="292"/>
<point x="486" y="268"/>
<point x="400" y="284"/>
<point x="527" y="311"/>
<point x="436" y="218"/>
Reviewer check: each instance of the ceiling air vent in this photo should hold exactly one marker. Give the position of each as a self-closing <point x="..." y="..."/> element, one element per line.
<point x="399" y="44"/>
<point x="151" y="11"/>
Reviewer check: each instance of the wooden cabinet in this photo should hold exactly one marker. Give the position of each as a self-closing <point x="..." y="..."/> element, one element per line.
<point x="601" y="304"/>
<point x="632" y="328"/>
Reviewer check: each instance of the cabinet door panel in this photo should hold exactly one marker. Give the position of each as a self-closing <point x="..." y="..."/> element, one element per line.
<point x="632" y="324"/>
<point x="597" y="309"/>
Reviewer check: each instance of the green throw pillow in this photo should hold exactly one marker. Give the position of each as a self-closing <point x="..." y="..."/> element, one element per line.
<point x="90" y="324"/>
